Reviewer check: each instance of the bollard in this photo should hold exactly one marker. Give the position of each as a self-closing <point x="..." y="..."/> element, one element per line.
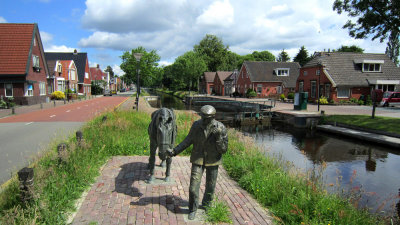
<point x="12" y="110"/>
<point x="25" y="177"/>
<point x="104" y="119"/>
<point x="41" y="105"/>
<point x="65" y="101"/>
<point x="79" y="137"/>
<point x="61" y="148"/>
<point x="54" y="103"/>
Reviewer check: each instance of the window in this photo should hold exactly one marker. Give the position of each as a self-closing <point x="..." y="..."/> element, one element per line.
<point x="327" y="90"/>
<point x="371" y="67"/>
<point x="9" y="90"/>
<point x="61" y="85"/>
<point x="72" y="74"/>
<point x="35" y="61"/>
<point x="343" y="92"/>
<point x="313" y="88"/>
<point x="301" y="86"/>
<point x="42" y="88"/>
<point x="317" y="72"/>
<point x="29" y="90"/>
<point x="282" y="72"/>
<point x="259" y="88"/>
<point x="59" y="68"/>
<point x="305" y="73"/>
<point x="386" y="87"/>
<point x="279" y="89"/>
<point x="87" y="75"/>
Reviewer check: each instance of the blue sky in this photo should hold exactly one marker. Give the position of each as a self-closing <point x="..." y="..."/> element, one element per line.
<point x="106" y="28"/>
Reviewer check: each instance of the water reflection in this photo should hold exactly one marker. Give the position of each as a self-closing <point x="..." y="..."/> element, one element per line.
<point x="350" y="165"/>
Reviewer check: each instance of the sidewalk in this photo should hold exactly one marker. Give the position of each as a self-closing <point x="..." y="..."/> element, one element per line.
<point x="31" y="108"/>
<point x="121" y="196"/>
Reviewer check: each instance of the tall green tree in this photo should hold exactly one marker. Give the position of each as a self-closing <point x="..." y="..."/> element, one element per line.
<point x="213" y="51"/>
<point x="302" y="56"/>
<point x="110" y="71"/>
<point x="189" y="67"/>
<point x="376" y="18"/>
<point x="283" y="56"/>
<point x="256" y="56"/>
<point x="352" y="48"/>
<point x="148" y="66"/>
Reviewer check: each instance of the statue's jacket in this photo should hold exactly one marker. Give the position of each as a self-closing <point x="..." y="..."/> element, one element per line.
<point x="209" y="143"/>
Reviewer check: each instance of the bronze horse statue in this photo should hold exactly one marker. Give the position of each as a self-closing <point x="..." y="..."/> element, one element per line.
<point x="162" y="133"/>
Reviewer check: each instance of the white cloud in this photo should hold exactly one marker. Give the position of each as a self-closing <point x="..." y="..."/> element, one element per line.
<point x="218" y="14"/>
<point x="47" y="40"/>
<point x="2" y="20"/>
<point x="174" y="27"/>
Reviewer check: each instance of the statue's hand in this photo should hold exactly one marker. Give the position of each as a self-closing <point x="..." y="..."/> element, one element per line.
<point x="170" y="152"/>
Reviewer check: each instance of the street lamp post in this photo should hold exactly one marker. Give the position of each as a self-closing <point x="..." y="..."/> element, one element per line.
<point x="137" y="57"/>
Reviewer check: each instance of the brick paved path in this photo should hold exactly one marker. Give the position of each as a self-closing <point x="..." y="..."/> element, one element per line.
<point x="121" y="196"/>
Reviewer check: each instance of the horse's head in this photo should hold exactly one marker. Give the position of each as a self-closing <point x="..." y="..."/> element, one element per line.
<point x="165" y="129"/>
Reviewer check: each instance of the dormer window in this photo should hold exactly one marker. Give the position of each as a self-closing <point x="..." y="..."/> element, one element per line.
<point x="370" y="65"/>
<point x="282" y="72"/>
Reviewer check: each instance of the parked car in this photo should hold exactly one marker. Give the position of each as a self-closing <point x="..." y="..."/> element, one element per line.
<point x="107" y="92"/>
<point x="123" y="90"/>
<point x="390" y="99"/>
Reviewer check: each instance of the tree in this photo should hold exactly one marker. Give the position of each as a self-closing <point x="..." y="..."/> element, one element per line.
<point x="148" y="66"/>
<point x="190" y="66"/>
<point x="256" y="56"/>
<point x="379" y="18"/>
<point x="353" y="48"/>
<point x="213" y="51"/>
<point x="283" y="56"/>
<point x="110" y="71"/>
<point x="302" y="56"/>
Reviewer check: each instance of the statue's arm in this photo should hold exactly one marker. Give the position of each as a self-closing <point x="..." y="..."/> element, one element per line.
<point x="222" y="140"/>
<point x="186" y="142"/>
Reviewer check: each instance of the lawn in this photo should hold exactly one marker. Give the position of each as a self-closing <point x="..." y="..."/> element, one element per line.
<point x="387" y="124"/>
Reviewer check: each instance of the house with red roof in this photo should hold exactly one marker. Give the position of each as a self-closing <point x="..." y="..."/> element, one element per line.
<point x="219" y="79"/>
<point x="23" y="68"/>
<point x="82" y="67"/>
<point x="206" y="83"/>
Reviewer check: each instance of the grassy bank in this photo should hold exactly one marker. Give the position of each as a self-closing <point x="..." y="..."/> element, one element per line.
<point x="387" y="124"/>
<point x="291" y="197"/>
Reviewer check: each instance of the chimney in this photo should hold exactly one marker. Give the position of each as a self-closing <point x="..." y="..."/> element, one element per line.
<point x="75" y="52"/>
<point x="98" y="66"/>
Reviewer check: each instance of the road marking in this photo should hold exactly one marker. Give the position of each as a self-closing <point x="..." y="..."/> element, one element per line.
<point x="78" y="108"/>
<point x="68" y="111"/>
<point x="28" y="123"/>
<point x="52" y="116"/>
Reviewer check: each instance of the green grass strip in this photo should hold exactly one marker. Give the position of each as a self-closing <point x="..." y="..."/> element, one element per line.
<point x="387" y="124"/>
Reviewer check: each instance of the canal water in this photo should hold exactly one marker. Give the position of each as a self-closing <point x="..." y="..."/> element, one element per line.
<point x="346" y="166"/>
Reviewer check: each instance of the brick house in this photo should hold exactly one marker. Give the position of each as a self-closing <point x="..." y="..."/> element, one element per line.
<point x="23" y="68"/>
<point x="219" y="78"/>
<point x="97" y="74"/>
<point x="268" y="79"/>
<point x="206" y="83"/>
<point x="346" y="75"/>
<point x="82" y="65"/>
<point x="230" y="83"/>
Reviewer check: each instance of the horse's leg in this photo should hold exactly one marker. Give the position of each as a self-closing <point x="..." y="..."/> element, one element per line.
<point x="162" y="163"/>
<point x="168" y="171"/>
<point x="152" y="160"/>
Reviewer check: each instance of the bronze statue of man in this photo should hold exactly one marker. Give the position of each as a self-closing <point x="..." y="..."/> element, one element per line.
<point x="210" y="140"/>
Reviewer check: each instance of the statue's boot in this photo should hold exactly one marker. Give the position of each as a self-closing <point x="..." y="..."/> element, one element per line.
<point x="163" y="164"/>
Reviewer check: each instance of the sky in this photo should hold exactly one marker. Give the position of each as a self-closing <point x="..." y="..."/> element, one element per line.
<point x="105" y="29"/>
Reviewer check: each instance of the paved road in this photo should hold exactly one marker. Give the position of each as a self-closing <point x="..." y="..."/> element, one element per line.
<point x="24" y="136"/>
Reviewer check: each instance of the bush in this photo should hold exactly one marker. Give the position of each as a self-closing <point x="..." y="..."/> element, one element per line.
<point x="369" y="100"/>
<point x="360" y="102"/>
<point x="282" y="97"/>
<point x="251" y="93"/>
<point x="323" y="100"/>
<point x="353" y="100"/>
<point x="290" y="95"/>
<point x="57" y="95"/>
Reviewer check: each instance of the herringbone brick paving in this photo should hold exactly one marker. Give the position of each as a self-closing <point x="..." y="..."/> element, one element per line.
<point x="121" y="196"/>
